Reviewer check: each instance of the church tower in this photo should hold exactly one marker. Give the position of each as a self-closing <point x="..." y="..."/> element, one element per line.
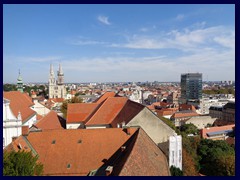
<point x="51" y="83"/>
<point x="60" y="75"/>
<point x="19" y="83"/>
<point x="56" y="88"/>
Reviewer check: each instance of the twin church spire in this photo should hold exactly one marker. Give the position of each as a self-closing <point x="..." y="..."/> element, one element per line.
<point x="56" y="87"/>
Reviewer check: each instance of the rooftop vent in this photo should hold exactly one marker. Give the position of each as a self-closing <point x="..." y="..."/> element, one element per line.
<point x="109" y="170"/>
<point x="69" y="166"/>
<point x="19" y="146"/>
<point x="79" y="141"/>
<point x="54" y="142"/>
<point x="123" y="148"/>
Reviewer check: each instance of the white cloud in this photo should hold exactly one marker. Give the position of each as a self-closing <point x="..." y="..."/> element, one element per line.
<point x="184" y="40"/>
<point x="144" y="29"/>
<point x="180" y="17"/>
<point x="104" y="20"/>
<point x="38" y="59"/>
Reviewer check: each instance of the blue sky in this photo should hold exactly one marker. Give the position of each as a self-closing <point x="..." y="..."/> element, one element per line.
<point x="116" y="43"/>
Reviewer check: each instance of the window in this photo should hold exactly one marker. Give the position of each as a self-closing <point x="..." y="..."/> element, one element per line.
<point x="172" y="157"/>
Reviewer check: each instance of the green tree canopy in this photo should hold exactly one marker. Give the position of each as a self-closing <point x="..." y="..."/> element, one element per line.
<point x="217" y="158"/>
<point x="21" y="163"/>
<point x="175" y="171"/>
<point x="189" y="129"/>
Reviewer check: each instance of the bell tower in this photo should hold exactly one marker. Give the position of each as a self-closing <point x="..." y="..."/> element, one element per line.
<point x="60" y="75"/>
<point x="19" y="82"/>
<point x="51" y="83"/>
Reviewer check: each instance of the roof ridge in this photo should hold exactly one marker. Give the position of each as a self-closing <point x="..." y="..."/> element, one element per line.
<point x="102" y="106"/>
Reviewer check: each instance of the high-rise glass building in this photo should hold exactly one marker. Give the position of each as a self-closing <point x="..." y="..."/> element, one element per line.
<point x="191" y="86"/>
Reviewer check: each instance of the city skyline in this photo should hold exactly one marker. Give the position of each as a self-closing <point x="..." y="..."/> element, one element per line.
<point x="118" y="43"/>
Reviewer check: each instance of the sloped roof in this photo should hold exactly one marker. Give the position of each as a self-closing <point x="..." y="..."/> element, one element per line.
<point x="186" y="107"/>
<point x="20" y="102"/>
<point x="76" y="151"/>
<point x="205" y="131"/>
<point x="104" y="97"/>
<point x="50" y="121"/>
<point x="79" y="112"/>
<point x="108" y="111"/>
<point x="56" y="100"/>
<point x="80" y="151"/>
<point x="185" y="113"/>
<point x="229" y="105"/>
<point x="144" y="158"/>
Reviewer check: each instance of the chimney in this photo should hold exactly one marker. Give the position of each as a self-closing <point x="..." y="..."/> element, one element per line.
<point x="14" y="138"/>
<point x="123" y="148"/>
<point x="109" y="170"/>
<point x="25" y="130"/>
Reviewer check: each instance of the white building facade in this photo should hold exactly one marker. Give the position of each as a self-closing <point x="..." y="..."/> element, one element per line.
<point x="175" y="151"/>
<point x="12" y="125"/>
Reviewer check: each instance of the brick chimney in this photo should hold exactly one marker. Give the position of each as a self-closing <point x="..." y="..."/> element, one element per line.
<point x="25" y="130"/>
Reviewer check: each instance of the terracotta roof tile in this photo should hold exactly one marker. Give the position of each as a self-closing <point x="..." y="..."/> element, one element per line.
<point x="108" y="111"/>
<point x="20" y="102"/>
<point x="50" y="121"/>
<point x="105" y="96"/>
<point x="79" y="112"/>
<point x="145" y="158"/>
<point x="82" y="150"/>
<point x="187" y="113"/>
<point x="215" y="129"/>
<point x="56" y="100"/>
<point x="186" y="107"/>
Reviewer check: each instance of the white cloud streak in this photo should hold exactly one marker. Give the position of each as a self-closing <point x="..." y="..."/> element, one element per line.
<point x="185" y="40"/>
<point x="104" y="20"/>
<point x="180" y="17"/>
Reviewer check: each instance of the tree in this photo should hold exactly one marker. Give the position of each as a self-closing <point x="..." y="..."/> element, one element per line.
<point x="175" y="171"/>
<point x="217" y="158"/>
<point x="65" y="104"/>
<point x="189" y="129"/>
<point x="21" y="163"/>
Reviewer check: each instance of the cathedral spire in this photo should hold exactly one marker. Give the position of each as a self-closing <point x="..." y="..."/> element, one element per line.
<point x="19" y="82"/>
<point x="60" y="69"/>
<point x="51" y="69"/>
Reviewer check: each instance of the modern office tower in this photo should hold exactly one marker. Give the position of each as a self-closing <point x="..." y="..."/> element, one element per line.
<point x="191" y="86"/>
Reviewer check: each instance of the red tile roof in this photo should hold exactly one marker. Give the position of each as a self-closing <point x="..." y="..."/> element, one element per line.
<point x="20" y="102"/>
<point x="186" y="107"/>
<point x="105" y="96"/>
<point x="79" y="112"/>
<point x="145" y="158"/>
<point x="50" y="121"/>
<point x="56" y="100"/>
<point x="182" y="114"/>
<point x="215" y="129"/>
<point x="82" y="150"/>
<point x="39" y="116"/>
<point x="166" y="112"/>
<point x="108" y="111"/>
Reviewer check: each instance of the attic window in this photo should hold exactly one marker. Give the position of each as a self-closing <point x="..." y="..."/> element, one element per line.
<point x="69" y="166"/>
<point x="54" y="142"/>
<point x="79" y="141"/>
